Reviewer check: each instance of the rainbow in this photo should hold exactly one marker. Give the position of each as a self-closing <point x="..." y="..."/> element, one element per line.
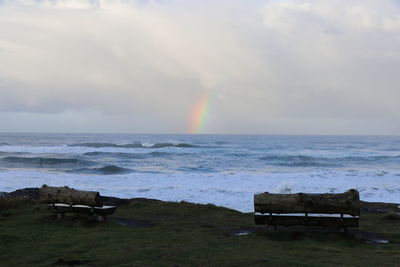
<point x="199" y="114"/>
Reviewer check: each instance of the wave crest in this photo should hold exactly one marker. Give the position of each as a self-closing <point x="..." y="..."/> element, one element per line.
<point x="42" y="162"/>
<point x="309" y="161"/>
<point x="154" y="154"/>
<point x="106" y="170"/>
<point x="133" y="145"/>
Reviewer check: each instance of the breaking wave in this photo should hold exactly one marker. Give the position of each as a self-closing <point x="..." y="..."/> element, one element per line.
<point x="299" y="161"/>
<point x="154" y="154"/>
<point x="42" y="162"/>
<point x="106" y="170"/>
<point x="115" y="154"/>
<point x="308" y="161"/>
<point x="133" y="145"/>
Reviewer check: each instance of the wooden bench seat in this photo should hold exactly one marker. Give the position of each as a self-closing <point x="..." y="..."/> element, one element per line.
<point x="82" y="209"/>
<point x="63" y="200"/>
<point x="327" y="210"/>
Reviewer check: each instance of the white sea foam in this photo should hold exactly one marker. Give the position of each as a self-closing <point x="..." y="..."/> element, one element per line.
<point x="230" y="190"/>
<point x="70" y="149"/>
<point x="220" y="169"/>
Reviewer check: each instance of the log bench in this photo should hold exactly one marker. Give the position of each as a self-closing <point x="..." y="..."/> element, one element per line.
<point x="62" y="200"/>
<point x="326" y="210"/>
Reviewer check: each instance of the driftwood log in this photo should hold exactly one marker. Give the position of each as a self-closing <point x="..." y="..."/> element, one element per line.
<point x="69" y="196"/>
<point x="345" y="203"/>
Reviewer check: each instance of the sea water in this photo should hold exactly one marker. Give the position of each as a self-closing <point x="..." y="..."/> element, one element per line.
<point x="224" y="170"/>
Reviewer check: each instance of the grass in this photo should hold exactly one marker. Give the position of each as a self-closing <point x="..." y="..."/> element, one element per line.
<point x="180" y="234"/>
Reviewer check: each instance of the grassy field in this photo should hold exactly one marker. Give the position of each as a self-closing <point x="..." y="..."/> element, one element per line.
<point x="153" y="233"/>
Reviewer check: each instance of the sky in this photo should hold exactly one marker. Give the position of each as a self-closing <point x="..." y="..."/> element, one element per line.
<point x="200" y="66"/>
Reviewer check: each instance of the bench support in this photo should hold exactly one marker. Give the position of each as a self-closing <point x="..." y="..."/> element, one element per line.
<point x="306" y="220"/>
<point x="100" y="212"/>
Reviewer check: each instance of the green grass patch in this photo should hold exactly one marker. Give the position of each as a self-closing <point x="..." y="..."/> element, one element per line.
<point x="180" y="234"/>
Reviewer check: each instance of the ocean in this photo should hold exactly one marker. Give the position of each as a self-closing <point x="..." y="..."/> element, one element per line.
<point x="224" y="170"/>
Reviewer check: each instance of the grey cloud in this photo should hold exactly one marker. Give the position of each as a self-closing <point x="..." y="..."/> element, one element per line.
<point x="270" y="65"/>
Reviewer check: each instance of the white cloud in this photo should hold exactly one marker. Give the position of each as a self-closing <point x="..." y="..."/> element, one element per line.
<point x="268" y="63"/>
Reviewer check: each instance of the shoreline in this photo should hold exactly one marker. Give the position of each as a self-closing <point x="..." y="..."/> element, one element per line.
<point x="32" y="193"/>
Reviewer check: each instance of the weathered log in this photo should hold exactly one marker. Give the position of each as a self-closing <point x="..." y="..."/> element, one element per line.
<point x="69" y="196"/>
<point x="345" y="203"/>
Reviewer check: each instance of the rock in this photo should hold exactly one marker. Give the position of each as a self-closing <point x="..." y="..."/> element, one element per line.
<point x="370" y="237"/>
<point x="29" y="193"/>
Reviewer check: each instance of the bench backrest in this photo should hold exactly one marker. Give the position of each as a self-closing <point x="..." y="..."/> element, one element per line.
<point x="345" y="203"/>
<point x="69" y="196"/>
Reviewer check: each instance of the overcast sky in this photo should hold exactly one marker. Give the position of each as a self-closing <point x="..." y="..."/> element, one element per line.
<point x="270" y="67"/>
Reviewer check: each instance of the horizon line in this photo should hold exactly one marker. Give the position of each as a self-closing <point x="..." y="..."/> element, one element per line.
<point x="204" y="134"/>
